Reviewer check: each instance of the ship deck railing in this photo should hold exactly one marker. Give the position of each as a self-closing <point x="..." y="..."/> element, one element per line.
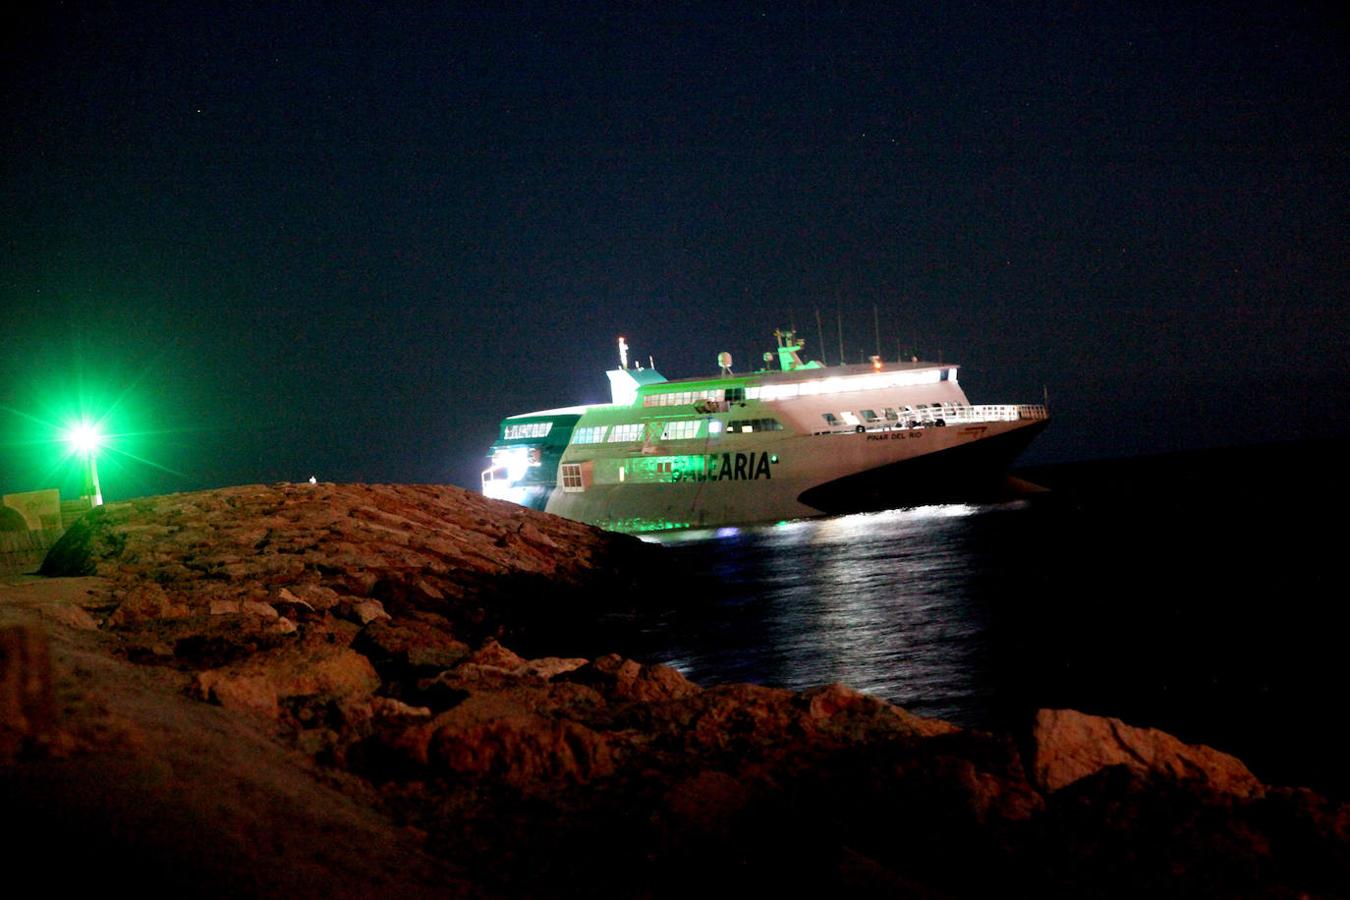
<point x="952" y="415"/>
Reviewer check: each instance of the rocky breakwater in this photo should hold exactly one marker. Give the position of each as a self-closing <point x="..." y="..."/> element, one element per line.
<point x="365" y="631"/>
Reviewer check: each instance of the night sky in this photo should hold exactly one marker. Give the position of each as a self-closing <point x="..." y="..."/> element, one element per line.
<point x="277" y="240"/>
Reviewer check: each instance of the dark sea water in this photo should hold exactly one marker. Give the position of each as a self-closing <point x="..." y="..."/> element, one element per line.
<point x="1200" y="593"/>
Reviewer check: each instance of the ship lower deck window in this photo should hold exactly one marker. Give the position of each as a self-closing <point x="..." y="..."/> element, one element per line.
<point x="841" y="418"/>
<point x="571" y="478"/>
<point x="736" y="426"/>
<point x="681" y="430"/>
<point x="870" y="415"/>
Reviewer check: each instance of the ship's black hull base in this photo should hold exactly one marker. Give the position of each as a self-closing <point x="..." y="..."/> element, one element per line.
<point x="973" y="472"/>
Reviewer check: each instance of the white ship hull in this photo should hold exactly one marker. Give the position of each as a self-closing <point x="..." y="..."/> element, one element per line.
<point x="762" y="447"/>
<point x="837" y="473"/>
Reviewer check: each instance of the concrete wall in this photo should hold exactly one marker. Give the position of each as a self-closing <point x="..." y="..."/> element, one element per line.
<point x="39" y="517"/>
<point x="40" y="509"/>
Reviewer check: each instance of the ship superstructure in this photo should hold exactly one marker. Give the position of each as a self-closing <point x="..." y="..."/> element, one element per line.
<point x="802" y="439"/>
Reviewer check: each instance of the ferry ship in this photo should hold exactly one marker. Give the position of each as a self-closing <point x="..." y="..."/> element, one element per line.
<point x="792" y="440"/>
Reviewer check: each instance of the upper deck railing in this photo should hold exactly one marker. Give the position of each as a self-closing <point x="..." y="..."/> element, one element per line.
<point x="934" y="416"/>
<point x="1000" y="412"/>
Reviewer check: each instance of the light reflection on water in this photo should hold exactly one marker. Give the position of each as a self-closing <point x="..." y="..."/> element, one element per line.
<point x="1156" y="591"/>
<point x="879" y="601"/>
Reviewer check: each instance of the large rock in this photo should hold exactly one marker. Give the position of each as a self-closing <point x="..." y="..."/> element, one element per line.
<point x="848" y="714"/>
<point x="145" y="602"/>
<point x="411" y="547"/>
<point x="313" y="670"/>
<point x="626" y="679"/>
<point x="27" y="704"/>
<point x="410" y="648"/>
<point x="1068" y="745"/>
<point x="526" y="751"/>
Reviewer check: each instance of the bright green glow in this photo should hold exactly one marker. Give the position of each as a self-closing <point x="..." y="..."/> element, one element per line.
<point x="643" y="526"/>
<point x="84" y="438"/>
<point x="71" y="430"/>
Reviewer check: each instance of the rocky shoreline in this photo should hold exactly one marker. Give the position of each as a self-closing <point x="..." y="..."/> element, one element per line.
<point x="309" y="689"/>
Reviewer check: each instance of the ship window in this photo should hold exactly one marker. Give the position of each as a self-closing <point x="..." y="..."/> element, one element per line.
<point x="571" y="478"/>
<point x="746" y="426"/>
<point x="527" y="430"/>
<point x="629" y="432"/>
<point x="830" y="419"/>
<point x="682" y="398"/>
<point x="591" y="434"/>
<point x="735" y="395"/>
<point x="681" y="430"/>
<point x="891" y="414"/>
<point x="870" y="415"/>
